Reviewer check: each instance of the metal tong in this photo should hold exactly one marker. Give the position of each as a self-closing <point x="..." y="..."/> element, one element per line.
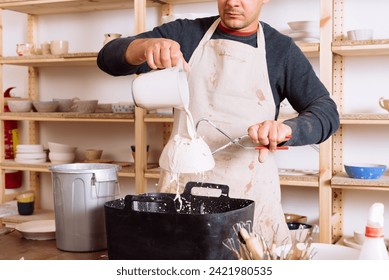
<point x="243" y="141"/>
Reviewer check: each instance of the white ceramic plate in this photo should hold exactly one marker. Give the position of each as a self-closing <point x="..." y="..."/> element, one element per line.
<point x="29" y="148"/>
<point x="31" y="155"/>
<point x="297" y="172"/>
<point x="31" y="161"/>
<point x="37" y="230"/>
<point x="330" y="252"/>
<point x="350" y="242"/>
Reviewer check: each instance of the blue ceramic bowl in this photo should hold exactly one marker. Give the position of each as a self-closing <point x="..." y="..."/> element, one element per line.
<point x="365" y="171"/>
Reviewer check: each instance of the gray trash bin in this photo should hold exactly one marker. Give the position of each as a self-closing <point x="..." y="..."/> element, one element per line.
<point x="80" y="191"/>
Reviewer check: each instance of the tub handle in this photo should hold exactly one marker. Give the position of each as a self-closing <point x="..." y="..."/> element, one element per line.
<point x="190" y="185"/>
<point x="150" y="203"/>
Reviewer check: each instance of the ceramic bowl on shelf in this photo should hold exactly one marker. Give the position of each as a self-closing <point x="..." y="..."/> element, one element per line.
<point x="59" y="47"/>
<point x="20" y="105"/>
<point x="60" y="158"/>
<point x="295" y="218"/>
<point x="123" y="107"/>
<point x="84" y="106"/>
<point x="61" y="148"/>
<point x="93" y="154"/>
<point x="365" y="171"/>
<point x="45" y="106"/>
<point x="360" y="34"/>
<point x="104" y="108"/>
<point x="304" y="25"/>
<point x="65" y="104"/>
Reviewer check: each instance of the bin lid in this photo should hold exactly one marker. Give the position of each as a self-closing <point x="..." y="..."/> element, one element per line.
<point x="102" y="171"/>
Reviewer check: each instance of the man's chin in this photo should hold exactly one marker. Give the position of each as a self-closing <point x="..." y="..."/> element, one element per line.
<point x="234" y="24"/>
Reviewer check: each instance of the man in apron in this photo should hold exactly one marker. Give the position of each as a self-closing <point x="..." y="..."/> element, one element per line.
<point x="230" y="86"/>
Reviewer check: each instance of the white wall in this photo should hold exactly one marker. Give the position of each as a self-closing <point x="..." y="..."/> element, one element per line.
<point x="362" y="90"/>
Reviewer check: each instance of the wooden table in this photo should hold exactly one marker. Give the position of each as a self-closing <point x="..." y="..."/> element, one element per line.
<point x="14" y="247"/>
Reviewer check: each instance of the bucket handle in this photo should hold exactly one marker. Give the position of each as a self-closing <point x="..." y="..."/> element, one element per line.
<point x="190" y="185"/>
<point x="93" y="184"/>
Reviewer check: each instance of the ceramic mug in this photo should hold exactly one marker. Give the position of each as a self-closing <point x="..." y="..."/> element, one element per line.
<point x="58" y="47"/>
<point x="384" y="103"/>
<point x="160" y="89"/>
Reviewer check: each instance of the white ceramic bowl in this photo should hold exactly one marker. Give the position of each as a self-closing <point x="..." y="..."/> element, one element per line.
<point x="20" y="105"/>
<point x="45" y="106"/>
<point x="59" y="158"/>
<point x="61" y="148"/>
<point x="306" y="26"/>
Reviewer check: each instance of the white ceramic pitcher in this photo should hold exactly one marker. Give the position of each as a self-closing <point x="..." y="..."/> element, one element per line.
<point x="161" y="89"/>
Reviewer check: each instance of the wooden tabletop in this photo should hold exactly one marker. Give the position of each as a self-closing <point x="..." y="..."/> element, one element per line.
<point x="14" y="247"/>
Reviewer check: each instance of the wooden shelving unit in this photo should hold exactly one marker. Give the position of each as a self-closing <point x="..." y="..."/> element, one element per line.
<point x="330" y="51"/>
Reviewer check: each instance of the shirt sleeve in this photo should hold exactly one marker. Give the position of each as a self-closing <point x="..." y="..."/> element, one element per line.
<point x="318" y="117"/>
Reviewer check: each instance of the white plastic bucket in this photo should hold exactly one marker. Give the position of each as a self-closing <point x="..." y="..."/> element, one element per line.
<point x="162" y="89"/>
<point x="80" y="191"/>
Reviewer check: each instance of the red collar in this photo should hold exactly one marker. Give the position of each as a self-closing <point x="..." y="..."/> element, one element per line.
<point x="235" y="32"/>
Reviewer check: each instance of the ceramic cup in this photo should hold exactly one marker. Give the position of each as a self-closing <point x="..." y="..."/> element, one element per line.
<point x="25" y="203"/>
<point x="58" y="47"/>
<point x="360" y="34"/>
<point x="93" y="154"/>
<point x="159" y="89"/>
<point x="45" y="46"/>
<point x="384" y="103"/>
<point x="24" y="49"/>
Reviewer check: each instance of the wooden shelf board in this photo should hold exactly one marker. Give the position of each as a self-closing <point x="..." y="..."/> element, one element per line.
<point x="303" y="181"/>
<point x="342" y="180"/>
<point x="68" y="117"/>
<point x="41" y="7"/>
<point x="361" y="48"/>
<point x="158" y="118"/>
<point x="127" y="169"/>
<point x="72" y="59"/>
<point x="364" y="119"/>
<point x="309" y="49"/>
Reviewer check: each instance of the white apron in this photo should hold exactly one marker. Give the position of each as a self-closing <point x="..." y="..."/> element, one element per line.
<point x="229" y="85"/>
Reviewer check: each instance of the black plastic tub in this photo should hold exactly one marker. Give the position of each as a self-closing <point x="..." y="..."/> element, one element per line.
<point x="156" y="226"/>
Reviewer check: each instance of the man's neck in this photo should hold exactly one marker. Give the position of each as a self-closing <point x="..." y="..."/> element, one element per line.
<point x="235" y="32"/>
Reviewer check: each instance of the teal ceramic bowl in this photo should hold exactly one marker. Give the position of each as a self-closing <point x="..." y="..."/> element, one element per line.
<point x="365" y="171"/>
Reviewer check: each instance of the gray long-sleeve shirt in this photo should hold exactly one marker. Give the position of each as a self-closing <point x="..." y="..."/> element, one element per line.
<point x="290" y="73"/>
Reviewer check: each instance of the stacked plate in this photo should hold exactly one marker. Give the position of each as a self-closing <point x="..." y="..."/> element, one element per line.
<point x="304" y="31"/>
<point x="31" y="154"/>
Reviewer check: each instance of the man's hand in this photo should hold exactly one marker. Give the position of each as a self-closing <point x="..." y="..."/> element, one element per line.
<point x="268" y="133"/>
<point x="159" y="53"/>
